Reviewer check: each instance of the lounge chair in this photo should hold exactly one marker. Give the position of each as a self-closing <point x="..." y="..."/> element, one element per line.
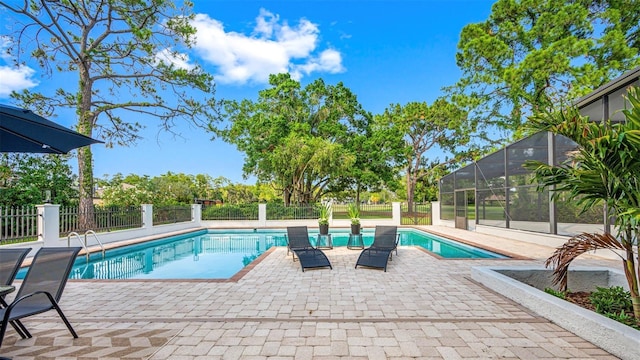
<point x="309" y="256"/>
<point x="10" y="261"/>
<point x="41" y="288"/>
<point x="378" y="254"/>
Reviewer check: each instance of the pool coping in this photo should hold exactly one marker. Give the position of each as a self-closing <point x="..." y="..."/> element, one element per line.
<point x="510" y="255"/>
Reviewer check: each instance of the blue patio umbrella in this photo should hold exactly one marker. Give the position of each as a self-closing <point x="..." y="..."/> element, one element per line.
<point x="23" y="131"/>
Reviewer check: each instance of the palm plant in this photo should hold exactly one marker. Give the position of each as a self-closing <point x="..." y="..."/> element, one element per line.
<point x="324" y="214"/>
<point x="354" y="213"/>
<point x="605" y="169"/>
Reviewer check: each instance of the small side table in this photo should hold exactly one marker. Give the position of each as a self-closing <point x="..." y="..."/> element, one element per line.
<point x="355" y="242"/>
<point x="4" y="290"/>
<point x="324" y="241"/>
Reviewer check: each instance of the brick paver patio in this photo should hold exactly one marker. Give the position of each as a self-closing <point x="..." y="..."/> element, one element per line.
<point x="422" y="307"/>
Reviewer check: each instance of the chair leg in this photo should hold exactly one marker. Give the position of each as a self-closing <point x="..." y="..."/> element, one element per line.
<point x="20" y="329"/>
<point x="3" y="327"/>
<point x="66" y="322"/>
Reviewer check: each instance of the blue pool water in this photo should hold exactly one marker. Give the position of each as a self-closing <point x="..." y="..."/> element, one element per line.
<point x="220" y="254"/>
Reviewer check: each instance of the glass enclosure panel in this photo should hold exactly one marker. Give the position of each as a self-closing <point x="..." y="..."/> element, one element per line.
<point x="446" y="206"/>
<point x="534" y="147"/>
<point x="466" y="177"/>
<point x="529" y="209"/>
<point x="491" y="207"/>
<point x="461" y="204"/>
<point x="571" y="212"/>
<point x="446" y="183"/>
<point x="490" y="171"/>
<point x="594" y="110"/>
<point x="471" y="205"/>
<point x="617" y="102"/>
<point x="528" y="204"/>
<point x="571" y="221"/>
<point x="563" y="148"/>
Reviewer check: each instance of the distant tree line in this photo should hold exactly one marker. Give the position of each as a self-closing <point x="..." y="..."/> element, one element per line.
<point x="25" y="179"/>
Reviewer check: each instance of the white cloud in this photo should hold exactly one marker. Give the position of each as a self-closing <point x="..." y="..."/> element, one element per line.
<point x="329" y="61"/>
<point x="273" y="47"/>
<point x="15" y="79"/>
<point x="178" y="60"/>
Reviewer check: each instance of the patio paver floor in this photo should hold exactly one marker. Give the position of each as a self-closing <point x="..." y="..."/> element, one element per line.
<point x="422" y="307"/>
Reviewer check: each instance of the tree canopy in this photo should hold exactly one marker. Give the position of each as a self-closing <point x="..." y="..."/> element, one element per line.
<point x="531" y="55"/>
<point x="303" y="140"/>
<point x="424" y="129"/>
<point x="25" y="179"/>
<point x="125" y="60"/>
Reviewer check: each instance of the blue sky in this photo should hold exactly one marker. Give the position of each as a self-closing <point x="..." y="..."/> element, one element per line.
<point x="386" y="52"/>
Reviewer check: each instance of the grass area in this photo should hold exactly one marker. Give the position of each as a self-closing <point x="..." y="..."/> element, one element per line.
<point x="19" y="240"/>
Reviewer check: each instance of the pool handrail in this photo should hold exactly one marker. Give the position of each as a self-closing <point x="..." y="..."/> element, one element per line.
<point x="97" y="240"/>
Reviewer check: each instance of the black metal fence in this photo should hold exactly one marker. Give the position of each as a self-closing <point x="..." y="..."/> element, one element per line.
<point x="230" y="212"/>
<point x="292" y="212"/>
<point x="420" y="214"/>
<point x="171" y="214"/>
<point x="105" y="218"/>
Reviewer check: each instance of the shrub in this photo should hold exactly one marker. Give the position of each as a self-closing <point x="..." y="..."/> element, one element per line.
<point x="624" y="318"/>
<point x="559" y="294"/>
<point x="613" y="300"/>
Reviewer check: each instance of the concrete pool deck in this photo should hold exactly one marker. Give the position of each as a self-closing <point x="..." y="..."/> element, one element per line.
<point x="422" y="307"/>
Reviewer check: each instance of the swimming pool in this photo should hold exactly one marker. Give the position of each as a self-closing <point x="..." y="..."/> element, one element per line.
<point x="220" y="254"/>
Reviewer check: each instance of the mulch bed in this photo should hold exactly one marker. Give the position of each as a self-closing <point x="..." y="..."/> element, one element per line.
<point x="581" y="298"/>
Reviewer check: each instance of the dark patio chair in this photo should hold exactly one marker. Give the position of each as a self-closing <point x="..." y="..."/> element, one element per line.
<point x="41" y="288"/>
<point x="309" y="256"/>
<point x="10" y="261"/>
<point x="385" y="241"/>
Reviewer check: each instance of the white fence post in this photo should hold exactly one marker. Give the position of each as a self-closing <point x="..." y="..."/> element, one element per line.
<point x="262" y="214"/>
<point x="196" y="214"/>
<point x="49" y="224"/>
<point x="147" y="217"/>
<point x="396" y="215"/>
<point x="435" y="212"/>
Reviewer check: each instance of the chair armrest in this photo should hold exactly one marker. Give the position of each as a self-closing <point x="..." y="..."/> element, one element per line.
<point x="16" y="301"/>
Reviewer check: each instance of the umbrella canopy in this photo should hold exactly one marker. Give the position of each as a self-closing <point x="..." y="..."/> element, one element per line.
<point x="23" y="131"/>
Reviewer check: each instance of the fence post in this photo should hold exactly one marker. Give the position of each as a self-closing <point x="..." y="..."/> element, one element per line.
<point x="49" y="224"/>
<point x="396" y="215"/>
<point x="435" y="213"/>
<point x="262" y="214"/>
<point x="196" y="214"/>
<point x="147" y="217"/>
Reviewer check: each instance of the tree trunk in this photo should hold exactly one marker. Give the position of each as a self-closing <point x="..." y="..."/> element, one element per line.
<point x="632" y="280"/>
<point x="410" y="189"/>
<point x="286" y="196"/>
<point x="85" y="156"/>
<point x="636" y="299"/>
<point x="630" y="271"/>
<point x="85" y="187"/>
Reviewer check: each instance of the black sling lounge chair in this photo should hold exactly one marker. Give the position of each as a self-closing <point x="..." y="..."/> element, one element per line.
<point x="10" y="261"/>
<point x="378" y="254"/>
<point x="309" y="256"/>
<point x="41" y="288"/>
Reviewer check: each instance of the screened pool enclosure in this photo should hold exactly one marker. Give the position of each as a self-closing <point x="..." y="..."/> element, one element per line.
<point x="496" y="190"/>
